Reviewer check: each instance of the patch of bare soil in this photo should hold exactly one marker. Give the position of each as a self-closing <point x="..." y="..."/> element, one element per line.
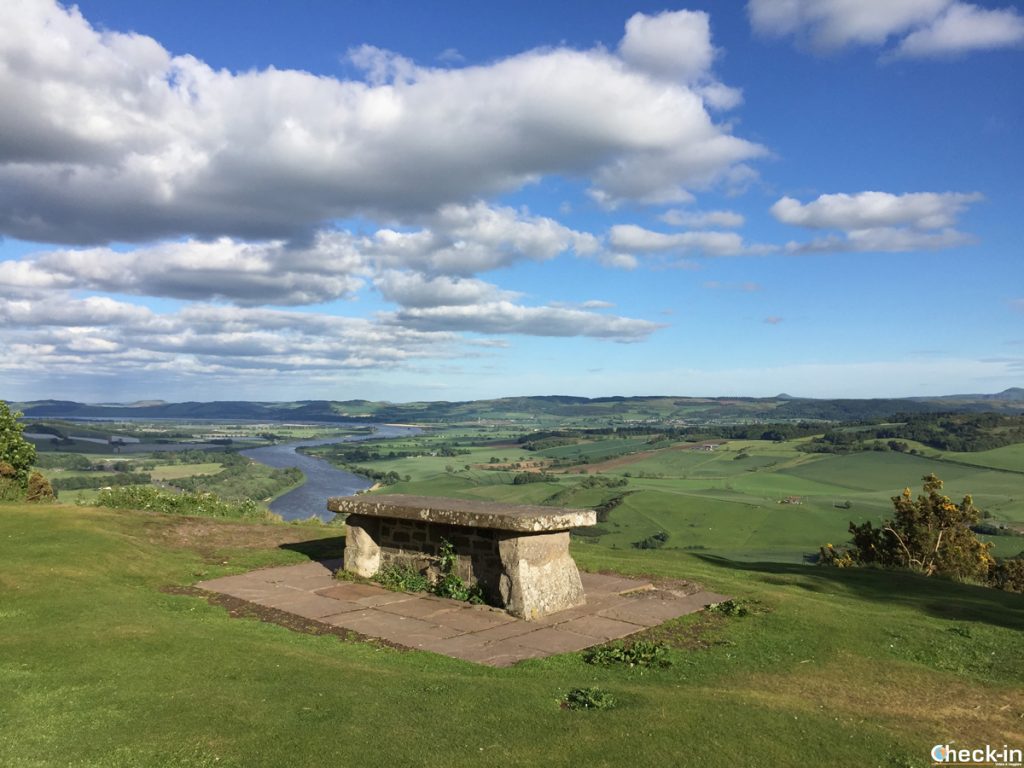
<point x="243" y="609"/>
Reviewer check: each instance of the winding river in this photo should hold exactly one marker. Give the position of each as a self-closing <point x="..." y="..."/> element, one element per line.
<point x="322" y="479"/>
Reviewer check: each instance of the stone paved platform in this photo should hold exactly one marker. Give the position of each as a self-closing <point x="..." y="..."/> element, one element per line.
<point x="616" y="607"/>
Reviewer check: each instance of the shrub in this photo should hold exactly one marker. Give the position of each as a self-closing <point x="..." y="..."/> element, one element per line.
<point x="657" y="541"/>
<point x="930" y="535"/>
<point x="1008" y="575"/>
<point x="39" y="489"/>
<point x="16" y="453"/>
<point x="588" y="698"/>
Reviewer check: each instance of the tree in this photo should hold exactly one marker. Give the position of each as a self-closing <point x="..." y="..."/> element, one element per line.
<point x="930" y="534"/>
<point x="15" y="451"/>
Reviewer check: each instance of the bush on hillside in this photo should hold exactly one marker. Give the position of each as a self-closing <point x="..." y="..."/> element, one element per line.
<point x="930" y="535"/>
<point x="1008" y="575"/>
<point x="16" y="453"/>
<point x="39" y="489"/>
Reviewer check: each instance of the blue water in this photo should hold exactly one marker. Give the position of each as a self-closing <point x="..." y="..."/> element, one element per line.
<point x="322" y="479"/>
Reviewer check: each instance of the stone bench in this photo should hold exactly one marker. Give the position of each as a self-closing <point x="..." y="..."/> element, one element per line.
<point x="518" y="554"/>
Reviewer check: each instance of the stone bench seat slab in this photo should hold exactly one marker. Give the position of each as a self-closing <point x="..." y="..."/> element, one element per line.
<point x="465" y="512"/>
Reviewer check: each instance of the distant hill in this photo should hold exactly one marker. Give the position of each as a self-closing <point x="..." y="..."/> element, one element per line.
<point x="1011" y="395"/>
<point x="543" y="410"/>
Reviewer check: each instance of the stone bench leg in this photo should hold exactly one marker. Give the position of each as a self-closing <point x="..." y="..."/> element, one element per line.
<point x="540" y="577"/>
<point x="362" y="545"/>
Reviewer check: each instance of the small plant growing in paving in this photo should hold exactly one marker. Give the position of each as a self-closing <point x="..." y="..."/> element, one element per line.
<point x="402" y="578"/>
<point x="449" y="584"/>
<point x="588" y="698"/>
<point x="405" y="578"/>
<point x="642" y="653"/>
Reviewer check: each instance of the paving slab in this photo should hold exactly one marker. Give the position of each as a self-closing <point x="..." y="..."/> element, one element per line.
<point x="616" y="607"/>
<point x="601" y="628"/>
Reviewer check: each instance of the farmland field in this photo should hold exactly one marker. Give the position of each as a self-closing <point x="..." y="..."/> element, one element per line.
<point x="745" y="499"/>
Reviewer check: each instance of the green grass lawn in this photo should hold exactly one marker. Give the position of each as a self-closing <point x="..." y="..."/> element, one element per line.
<point x="99" y="667"/>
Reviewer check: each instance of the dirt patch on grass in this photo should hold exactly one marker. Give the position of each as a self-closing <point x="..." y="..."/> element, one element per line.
<point x="243" y="609"/>
<point x="208" y="537"/>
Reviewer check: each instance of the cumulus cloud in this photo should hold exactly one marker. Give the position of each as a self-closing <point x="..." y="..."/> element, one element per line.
<point x="922" y="27"/>
<point x="878" y="221"/>
<point x="456" y="241"/>
<point x="248" y="274"/>
<point x="412" y="289"/>
<point x="501" y="317"/>
<point x="630" y="238"/>
<point x="865" y="210"/>
<point x="462" y="240"/>
<point x="116" y="139"/>
<point x="59" y="332"/>
<point x="671" y="44"/>
<point x="965" y="28"/>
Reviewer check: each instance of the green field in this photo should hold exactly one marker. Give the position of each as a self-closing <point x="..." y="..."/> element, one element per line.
<point x="100" y="666"/>
<point x="726" y="501"/>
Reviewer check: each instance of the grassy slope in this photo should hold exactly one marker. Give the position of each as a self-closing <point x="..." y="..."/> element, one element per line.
<point x="99" y="668"/>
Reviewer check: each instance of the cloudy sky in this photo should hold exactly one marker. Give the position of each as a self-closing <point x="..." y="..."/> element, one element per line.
<point x="451" y="200"/>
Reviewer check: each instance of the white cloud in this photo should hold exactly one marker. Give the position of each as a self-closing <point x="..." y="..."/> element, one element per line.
<point x="456" y="241"/>
<point x="113" y="138"/>
<point x="248" y="274"/>
<point x="678" y="218"/>
<point x="671" y="44"/>
<point x="965" y="28"/>
<point x="630" y="238"/>
<point x="462" y="240"/>
<point x="923" y="27"/>
<point x="412" y="289"/>
<point x="922" y="210"/>
<point x="878" y="221"/>
<point x="500" y="317"/>
<point x="60" y="332"/>
<point x="451" y="56"/>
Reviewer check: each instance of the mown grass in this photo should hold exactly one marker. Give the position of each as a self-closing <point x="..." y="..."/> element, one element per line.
<point x="100" y="668"/>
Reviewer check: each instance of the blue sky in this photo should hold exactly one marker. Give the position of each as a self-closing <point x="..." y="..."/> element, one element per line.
<point x="455" y="200"/>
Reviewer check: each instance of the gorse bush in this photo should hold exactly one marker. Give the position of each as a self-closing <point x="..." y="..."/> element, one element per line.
<point x="39" y="489"/>
<point x="1008" y="575"/>
<point x="931" y="535"/>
